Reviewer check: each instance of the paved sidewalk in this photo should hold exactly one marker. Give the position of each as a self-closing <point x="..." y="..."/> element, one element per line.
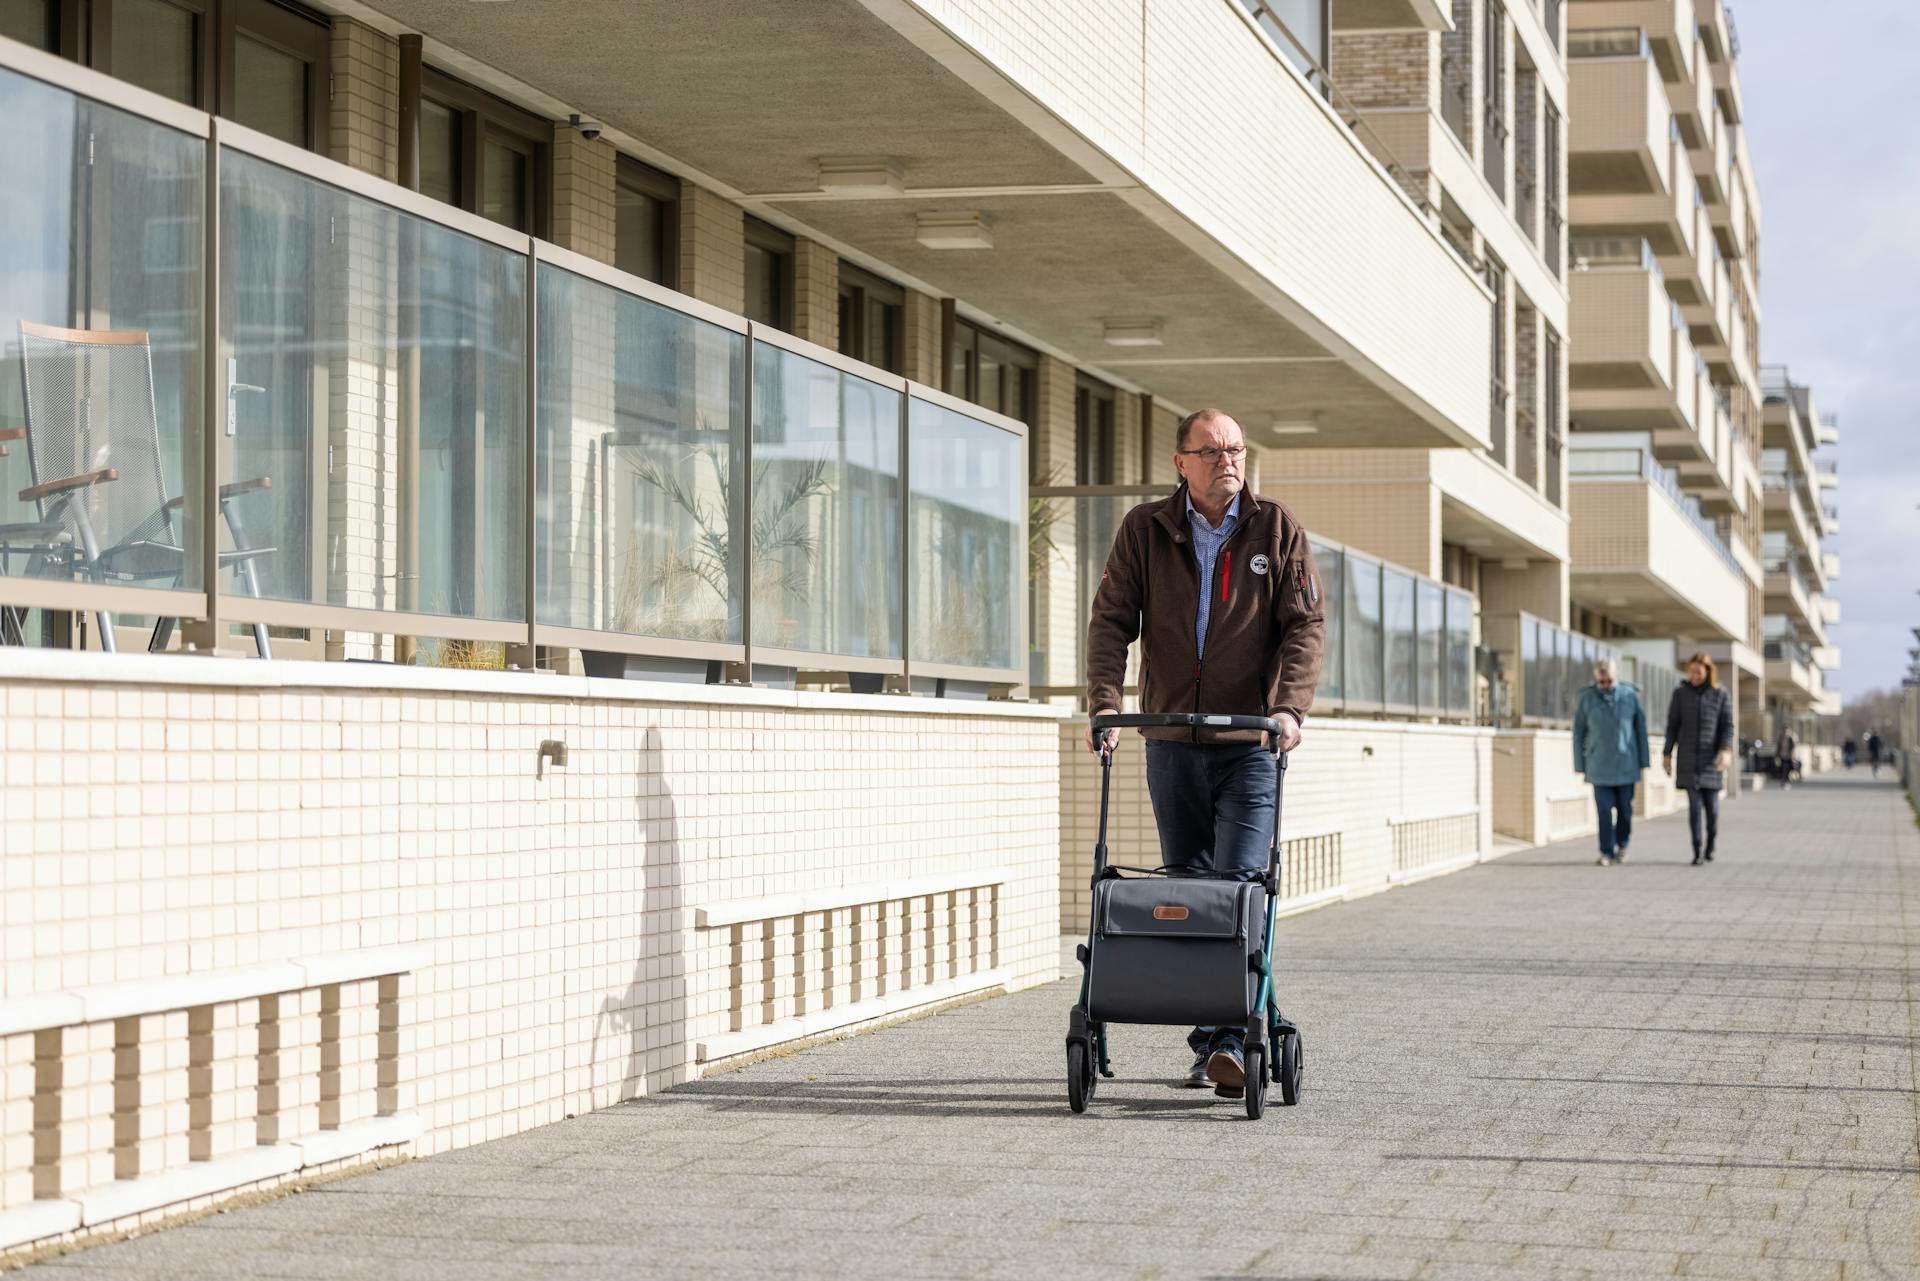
<point x="1535" y="1068"/>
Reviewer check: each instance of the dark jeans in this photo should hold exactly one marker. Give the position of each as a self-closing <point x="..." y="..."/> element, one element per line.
<point x="1703" y="800"/>
<point x="1214" y="807"/>
<point x="1612" y="800"/>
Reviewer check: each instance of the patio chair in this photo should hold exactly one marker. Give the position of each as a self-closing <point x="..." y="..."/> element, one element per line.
<point x="93" y="449"/>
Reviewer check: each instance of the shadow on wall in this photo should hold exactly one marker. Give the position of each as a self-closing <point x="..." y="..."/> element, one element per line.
<point x="653" y="1006"/>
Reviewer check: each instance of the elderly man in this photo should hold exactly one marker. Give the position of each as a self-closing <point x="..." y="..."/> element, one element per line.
<point x="1610" y="748"/>
<point x="1218" y="584"/>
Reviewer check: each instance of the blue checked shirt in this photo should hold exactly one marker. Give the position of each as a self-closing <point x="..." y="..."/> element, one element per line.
<point x="1206" y="549"/>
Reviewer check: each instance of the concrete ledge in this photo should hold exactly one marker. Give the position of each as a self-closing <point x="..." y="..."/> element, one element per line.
<point x="738" y="911"/>
<point x="69" y="666"/>
<point x="354" y="1140"/>
<point x="126" y="1197"/>
<point x="36" y="1221"/>
<point x="1401" y="820"/>
<point x="1413" y="874"/>
<point x="1307" y="902"/>
<point x="728" y="1044"/>
<point x="110" y="1001"/>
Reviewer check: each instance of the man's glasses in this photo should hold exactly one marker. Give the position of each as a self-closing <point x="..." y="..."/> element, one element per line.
<point x="1211" y="457"/>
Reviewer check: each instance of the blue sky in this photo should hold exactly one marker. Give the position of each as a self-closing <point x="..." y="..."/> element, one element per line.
<point x="1833" y="124"/>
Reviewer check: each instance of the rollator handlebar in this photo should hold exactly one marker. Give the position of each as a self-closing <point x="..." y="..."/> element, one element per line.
<point x="1182" y="720"/>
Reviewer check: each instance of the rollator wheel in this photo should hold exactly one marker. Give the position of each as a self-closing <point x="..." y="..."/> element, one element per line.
<point x="1079" y="1077"/>
<point x="1256" y="1081"/>
<point x="1292" y="1066"/>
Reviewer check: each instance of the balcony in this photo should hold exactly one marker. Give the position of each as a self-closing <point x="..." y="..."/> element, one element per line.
<point x="1713" y="162"/>
<point x="1623" y="322"/>
<point x="1642" y="554"/>
<point x="1789" y="594"/>
<point x="1785" y="510"/>
<point x="1830" y="565"/>
<point x="1620" y="129"/>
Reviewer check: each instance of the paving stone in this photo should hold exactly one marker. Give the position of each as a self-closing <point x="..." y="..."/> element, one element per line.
<point x="1533" y="1068"/>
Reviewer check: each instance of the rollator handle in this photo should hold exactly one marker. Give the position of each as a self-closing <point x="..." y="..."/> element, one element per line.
<point x="1183" y="720"/>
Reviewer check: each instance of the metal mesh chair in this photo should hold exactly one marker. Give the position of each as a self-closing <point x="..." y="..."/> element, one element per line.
<point x="105" y="514"/>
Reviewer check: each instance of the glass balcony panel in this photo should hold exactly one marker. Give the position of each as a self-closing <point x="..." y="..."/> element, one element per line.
<point x="1402" y="650"/>
<point x="105" y="232"/>
<point x="378" y="381"/>
<point x="826" y="509"/>
<point x="1459" y="653"/>
<point x="1331" y="562"/>
<point x="1430" y="615"/>
<point x="1366" y="639"/>
<point x="641" y="429"/>
<point x="966" y="486"/>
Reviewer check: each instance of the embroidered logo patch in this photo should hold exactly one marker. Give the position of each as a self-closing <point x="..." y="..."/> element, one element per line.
<point x="1258" y="564"/>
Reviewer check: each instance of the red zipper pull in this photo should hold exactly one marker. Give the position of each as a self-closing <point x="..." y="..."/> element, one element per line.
<point x="1226" y="572"/>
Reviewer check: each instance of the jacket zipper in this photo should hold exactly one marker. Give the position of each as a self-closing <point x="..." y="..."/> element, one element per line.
<point x="1226" y="568"/>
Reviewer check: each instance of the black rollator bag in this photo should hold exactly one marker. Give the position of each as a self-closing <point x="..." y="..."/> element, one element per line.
<point x="1173" y="946"/>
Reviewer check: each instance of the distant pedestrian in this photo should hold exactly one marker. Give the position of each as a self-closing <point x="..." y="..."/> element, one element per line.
<point x="1700" y="734"/>
<point x="1849" y="753"/>
<point x="1786" y="755"/>
<point x="1610" y="749"/>
<point x="1876" y="750"/>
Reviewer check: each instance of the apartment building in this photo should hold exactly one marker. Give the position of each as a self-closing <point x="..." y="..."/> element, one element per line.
<point x="1801" y="513"/>
<point x="1665" y="489"/>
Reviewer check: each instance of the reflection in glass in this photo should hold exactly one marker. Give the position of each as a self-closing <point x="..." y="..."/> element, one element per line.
<point x="378" y="369"/>
<point x="440" y="152"/>
<point x="826" y="509"/>
<point x="638" y="244"/>
<point x="964" y="525"/>
<point x="1397" y="620"/>
<point x="112" y="246"/>
<point x="640" y="429"/>
<point x="1366" y="648"/>
<point x="31" y="22"/>
<point x="765" y="284"/>
<point x="1430" y="604"/>
<point x="503" y="195"/>
<point x="1459" y="653"/>
<point x="154" y="46"/>
<point x="1331" y="563"/>
<point x="269" y="90"/>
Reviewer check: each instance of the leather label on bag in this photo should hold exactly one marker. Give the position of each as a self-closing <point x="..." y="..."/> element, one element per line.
<point x="1165" y="913"/>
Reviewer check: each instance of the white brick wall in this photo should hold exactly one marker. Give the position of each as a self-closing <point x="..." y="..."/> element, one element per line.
<point x="172" y="817"/>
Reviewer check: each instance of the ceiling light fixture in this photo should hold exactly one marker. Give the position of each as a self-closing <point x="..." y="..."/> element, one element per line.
<point x="861" y="178"/>
<point x="952" y="231"/>
<point x="1131" y="333"/>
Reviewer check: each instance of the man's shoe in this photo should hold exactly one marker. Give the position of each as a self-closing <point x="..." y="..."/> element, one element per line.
<point x="1620" y="855"/>
<point x="1197" y="1078"/>
<point x="1229" y="1073"/>
<point x="1697" y="860"/>
<point x="1603" y="861"/>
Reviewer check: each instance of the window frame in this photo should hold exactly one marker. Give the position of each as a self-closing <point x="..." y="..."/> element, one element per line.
<point x="638" y="176"/>
<point x="769" y="239"/>
<point x="484" y="117"/>
<point x="292" y="29"/>
<point x="1091" y="426"/>
<point x="858" y="288"/>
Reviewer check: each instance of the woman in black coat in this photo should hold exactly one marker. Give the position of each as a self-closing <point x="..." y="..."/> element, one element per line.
<point x="1700" y="730"/>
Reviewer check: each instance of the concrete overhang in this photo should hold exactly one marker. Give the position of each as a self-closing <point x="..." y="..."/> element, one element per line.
<point x="1295" y="278"/>
<point x="1636" y="558"/>
<point x="1492" y="512"/>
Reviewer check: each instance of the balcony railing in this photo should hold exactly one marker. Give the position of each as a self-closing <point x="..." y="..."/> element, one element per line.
<point x="1397" y="643"/>
<point x="354" y="409"/>
<point x="1608" y="42"/>
<point x="1544" y="666"/>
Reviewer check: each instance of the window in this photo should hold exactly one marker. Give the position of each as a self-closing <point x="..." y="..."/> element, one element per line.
<point x="991" y="372"/>
<point x="769" y="292"/>
<point x="646" y="223"/>
<point x="483" y="155"/>
<point x="1095" y="461"/>
<point x="31" y="22"/>
<point x="872" y="319"/>
<point x="260" y="63"/>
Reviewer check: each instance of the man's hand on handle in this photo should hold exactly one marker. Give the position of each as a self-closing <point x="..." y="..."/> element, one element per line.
<point x="1112" y="736"/>
<point x="1290" y="737"/>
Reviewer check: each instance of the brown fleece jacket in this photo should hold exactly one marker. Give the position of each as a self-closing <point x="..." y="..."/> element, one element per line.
<point x="1264" y="634"/>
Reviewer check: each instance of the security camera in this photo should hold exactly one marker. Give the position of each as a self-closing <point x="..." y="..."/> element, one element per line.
<point x="589" y="129"/>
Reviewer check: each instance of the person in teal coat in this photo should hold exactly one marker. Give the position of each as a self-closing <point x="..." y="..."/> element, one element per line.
<point x="1610" y="749"/>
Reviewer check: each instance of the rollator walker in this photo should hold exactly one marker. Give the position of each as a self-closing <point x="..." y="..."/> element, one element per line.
<point x="1182" y="947"/>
